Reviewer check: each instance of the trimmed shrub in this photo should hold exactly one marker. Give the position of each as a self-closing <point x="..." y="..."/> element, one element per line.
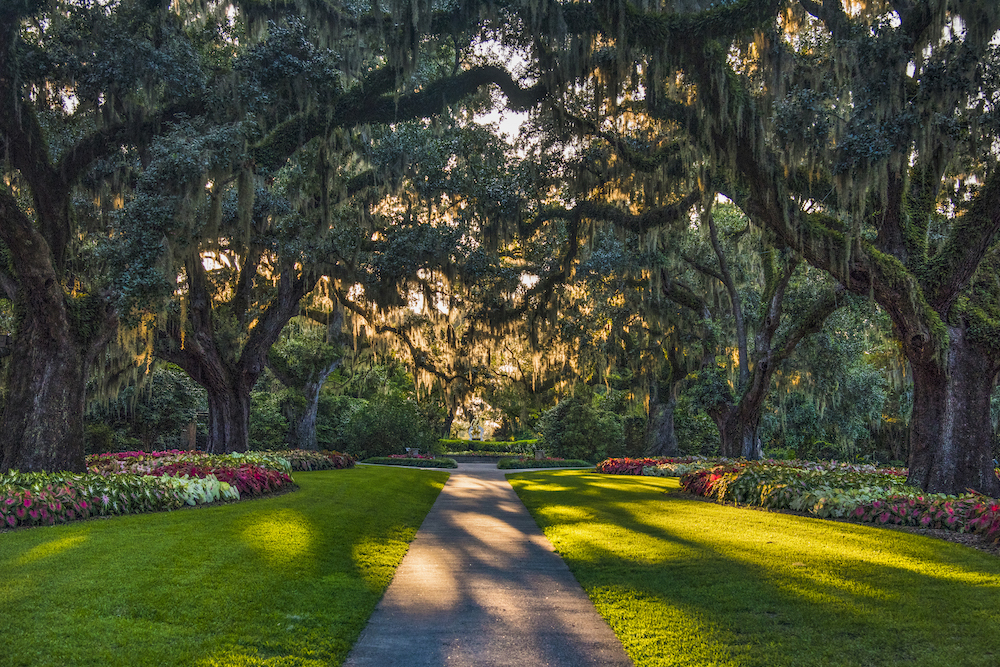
<point x="409" y="461"/>
<point x="573" y="429"/>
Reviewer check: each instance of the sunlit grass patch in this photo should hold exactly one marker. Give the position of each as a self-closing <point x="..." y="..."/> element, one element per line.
<point x="286" y="580"/>
<point x="685" y="582"/>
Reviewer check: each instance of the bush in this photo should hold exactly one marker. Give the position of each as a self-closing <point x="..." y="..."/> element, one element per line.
<point x="415" y="462"/>
<point x="387" y="425"/>
<point x="268" y="426"/>
<point x="509" y="447"/>
<point x="573" y="429"/>
<point x="98" y="438"/>
<point x="697" y="434"/>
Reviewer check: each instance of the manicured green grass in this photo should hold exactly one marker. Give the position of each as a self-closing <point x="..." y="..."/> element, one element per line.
<point x="282" y="581"/>
<point x="513" y="464"/>
<point x="687" y="582"/>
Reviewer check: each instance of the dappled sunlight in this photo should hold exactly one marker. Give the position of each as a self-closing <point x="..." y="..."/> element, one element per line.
<point x="50" y="548"/>
<point x="700" y="575"/>
<point x="284" y="537"/>
<point x="565" y="514"/>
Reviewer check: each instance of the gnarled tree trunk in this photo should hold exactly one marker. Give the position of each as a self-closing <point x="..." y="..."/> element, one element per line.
<point x="303" y="427"/>
<point x="42" y="427"/>
<point x="229" y="417"/>
<point x="950" y="433"/>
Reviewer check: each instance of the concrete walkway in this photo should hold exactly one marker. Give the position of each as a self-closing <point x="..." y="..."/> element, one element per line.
<point x="481" y="585"/>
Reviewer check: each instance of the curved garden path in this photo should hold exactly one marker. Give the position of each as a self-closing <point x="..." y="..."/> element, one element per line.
<point x="481" y="585"/>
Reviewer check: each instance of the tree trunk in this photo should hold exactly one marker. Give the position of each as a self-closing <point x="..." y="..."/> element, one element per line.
<point x="43" y="419"/>
<point x="448" y="421"/>
<point x="303" y="426"/>
<point x="228" y="418"/>
<point x="739" y="430"/>
<point x="950" y="431"/>
<point x="661" y="439"/>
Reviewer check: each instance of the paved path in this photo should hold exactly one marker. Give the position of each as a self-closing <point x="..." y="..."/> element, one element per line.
<point x="481" y="585"/>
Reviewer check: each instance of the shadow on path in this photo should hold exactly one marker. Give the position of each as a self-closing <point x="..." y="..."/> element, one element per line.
<point x="481" y="585"/>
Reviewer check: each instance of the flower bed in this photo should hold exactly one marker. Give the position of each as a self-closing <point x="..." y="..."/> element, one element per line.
<point x="523" y="462"/>
<point x="38" y="499"/>
<point x="656" y="467"/>
<point x="134" y="482"/>
<point x="860" y="492"/>
<point x="823" y="489"/>
<point x="418" y="462"/>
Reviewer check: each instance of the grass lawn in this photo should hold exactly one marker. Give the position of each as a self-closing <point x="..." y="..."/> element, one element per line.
<point x="686" y="582"/>
<point x="288" y="580"/>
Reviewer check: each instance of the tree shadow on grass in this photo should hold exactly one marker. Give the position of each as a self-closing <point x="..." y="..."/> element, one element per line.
<point x="688" y="582"/>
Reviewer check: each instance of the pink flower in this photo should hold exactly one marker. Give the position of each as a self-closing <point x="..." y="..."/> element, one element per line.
<point x="12" y="521"/>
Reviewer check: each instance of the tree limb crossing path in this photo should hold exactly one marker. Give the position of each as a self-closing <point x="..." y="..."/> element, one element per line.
<point x="481" y="585"/>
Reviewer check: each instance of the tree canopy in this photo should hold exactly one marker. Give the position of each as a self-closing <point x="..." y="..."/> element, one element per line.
<point x="698" y="185"/>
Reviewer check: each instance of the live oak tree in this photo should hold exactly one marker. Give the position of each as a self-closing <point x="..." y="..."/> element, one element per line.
<point x="302" y="359"/>
<point x="95" y="94"/>
<point x="81" y="85"/>
<point x="863" y="137"/>
<point x="768" y="307"/>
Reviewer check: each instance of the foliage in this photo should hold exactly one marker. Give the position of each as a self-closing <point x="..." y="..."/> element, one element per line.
<point x="302" y="459"/>
<point x="523" y="462"/>
<point x="509" y="447"/>
<point x="574" y="429"/>
<point x="412" y="462"/>
<point x="35" y="499"/>
<point x="151" y="414"/>
<point x="697" y="433"/>
<point x="859" y="492"/>
<point x="249" y="474"/>
<point x="268" y="424"/>
<point x="627" y="466"/>
<point x="387" y="424"/>
<point x="972" y="513"/>
<point x="824" y="489"/>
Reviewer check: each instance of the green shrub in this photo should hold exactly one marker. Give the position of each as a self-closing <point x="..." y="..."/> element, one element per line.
<point x="268" y="426"/>
<point x="98" y="438"/>
<point x="507" y="447"/>
<point x="573" y="429"/>
<point x="417" y="463"/>
<point x="697" y="434"/>
<point x="386" y="425"/>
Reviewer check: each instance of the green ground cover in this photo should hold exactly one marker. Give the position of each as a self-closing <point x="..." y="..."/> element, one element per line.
<point x="280" y="581"/>
<point x="412" y="462"/>
<point x="687" y="582"/>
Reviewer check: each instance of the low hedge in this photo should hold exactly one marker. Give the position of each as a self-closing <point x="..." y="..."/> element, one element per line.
<point x="476" y="446"/>
<point x="513" y="464"/>
<point x="414" y="462"/>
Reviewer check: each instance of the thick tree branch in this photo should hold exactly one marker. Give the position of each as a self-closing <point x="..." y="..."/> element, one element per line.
<point x="971" y="237"/>
<point x="832" y="14"/>
<point x="359" y="107"/>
